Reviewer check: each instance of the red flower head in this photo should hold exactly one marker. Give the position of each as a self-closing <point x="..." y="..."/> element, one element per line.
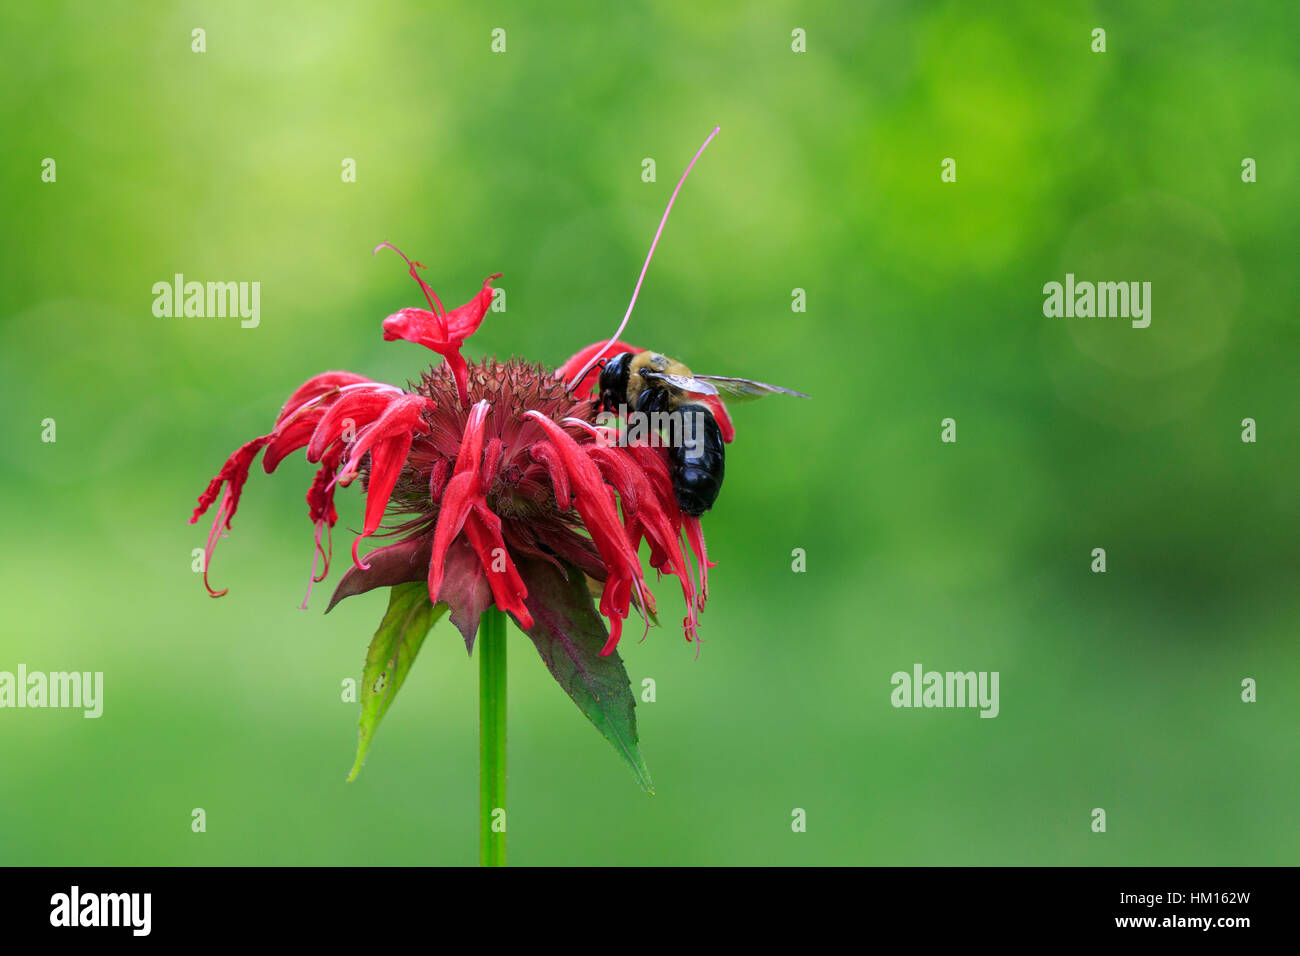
<point x="500" y="488"/>
<point x="491" y="474"/>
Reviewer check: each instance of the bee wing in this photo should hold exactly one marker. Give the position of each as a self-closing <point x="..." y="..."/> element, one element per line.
<point x="687" y="384"/>
<point x="742" y="389"/>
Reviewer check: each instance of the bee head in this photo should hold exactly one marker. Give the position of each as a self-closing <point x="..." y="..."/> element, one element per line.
<point x="613" y="382"/>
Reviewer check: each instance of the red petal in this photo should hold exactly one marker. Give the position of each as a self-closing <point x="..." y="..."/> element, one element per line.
<point x="695" y="535"/>
<point x="457" y="499"/>
<point x="545" y="454"/>
<point x="315" y="387"/>
<point x="402" y="415"/>
<point x="722" y="417"/>
<point x="654" y="463"/>
<point x="622" y="472"/>
<point x="235" y="473"/>
<point x="471" y="443"/>
<point x="438" y="479"/>
<point x="290" y="438"/>
<point x="595" y="504"/>
<point x="642" y="505"/>
<point x="386" y="461"/>
<point x="320" y="496"/>
<point x="483" y="529"/>
<point x="594" y="499"/>
<point x="464" y="321"/>
<point x="416" y="325"/>
<point x="352" y="412"/>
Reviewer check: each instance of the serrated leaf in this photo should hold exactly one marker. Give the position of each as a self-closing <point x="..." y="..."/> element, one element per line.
<point x="569" y="635"/>
<point x="409" y="617"/>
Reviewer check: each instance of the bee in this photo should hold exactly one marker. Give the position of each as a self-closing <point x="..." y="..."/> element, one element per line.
<point x="647" y="382"/>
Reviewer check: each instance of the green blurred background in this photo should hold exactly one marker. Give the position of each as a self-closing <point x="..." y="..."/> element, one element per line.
<point x="1118" y="690"/>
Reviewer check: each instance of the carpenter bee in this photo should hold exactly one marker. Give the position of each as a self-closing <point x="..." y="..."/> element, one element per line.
<point x="649" y="383"/>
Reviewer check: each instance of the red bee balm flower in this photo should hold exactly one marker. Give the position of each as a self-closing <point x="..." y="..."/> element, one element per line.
<point x="500" y="490"/>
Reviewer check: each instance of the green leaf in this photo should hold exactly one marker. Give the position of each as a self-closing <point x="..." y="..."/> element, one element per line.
<point x="393" y="649"/>
<point x="569" y="634"/>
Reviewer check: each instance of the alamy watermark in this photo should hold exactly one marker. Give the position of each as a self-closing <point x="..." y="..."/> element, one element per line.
<point x="212" y="300"/>
<point x="675" y="429"/>
<point x="76" y="908"/>
<point x="70" y="689"/>
<point x="923" y="688"/>
<point x="1102" y="300"/>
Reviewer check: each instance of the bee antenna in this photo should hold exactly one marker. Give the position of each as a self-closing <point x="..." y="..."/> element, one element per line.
<point x="649" y="255"/>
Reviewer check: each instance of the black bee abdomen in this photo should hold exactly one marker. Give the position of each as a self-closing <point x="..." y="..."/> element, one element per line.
<point x="698" y="459"/>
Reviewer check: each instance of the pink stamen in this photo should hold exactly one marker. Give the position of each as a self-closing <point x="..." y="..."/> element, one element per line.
<point x="355" y="560"/>
<point x="328" y="552"/>
<point x="585" y="426"/>
<point x="641" y="606"/>
<point x="214" y="534"/>
<point x="635" y="292"/>
<point x="430" y="296"/>
<point x="315" y="557"/>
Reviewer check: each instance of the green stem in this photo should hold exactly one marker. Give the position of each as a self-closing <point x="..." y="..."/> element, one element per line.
<point x="492" y="737"/>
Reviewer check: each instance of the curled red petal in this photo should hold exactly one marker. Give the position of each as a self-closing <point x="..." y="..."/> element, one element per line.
<point x="402" y="415"/>
<point x="471" y="444"/>
<point x="622" y="472"/>
<point x="233" y="474"/>
<point x="491" y="465"/>
<point x="459" y="496"/>
<point x="291" y="436"/>
<point x="349" y="413"/>
<point x="314" y="388"/>
<point x="544" y="453"/>
<point x="483" y="530"/>
<point x="296" y="424"/>
<point x="593" y="498"/>
<point x="695" y="535"/>
<point x="644" y="514"/>
<point x="457" y="499"/>
<point x="386" y="461"/>
<point x="462" y="322"/>
<point x="654" y="464"/>
<point x="320" y="496"/>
